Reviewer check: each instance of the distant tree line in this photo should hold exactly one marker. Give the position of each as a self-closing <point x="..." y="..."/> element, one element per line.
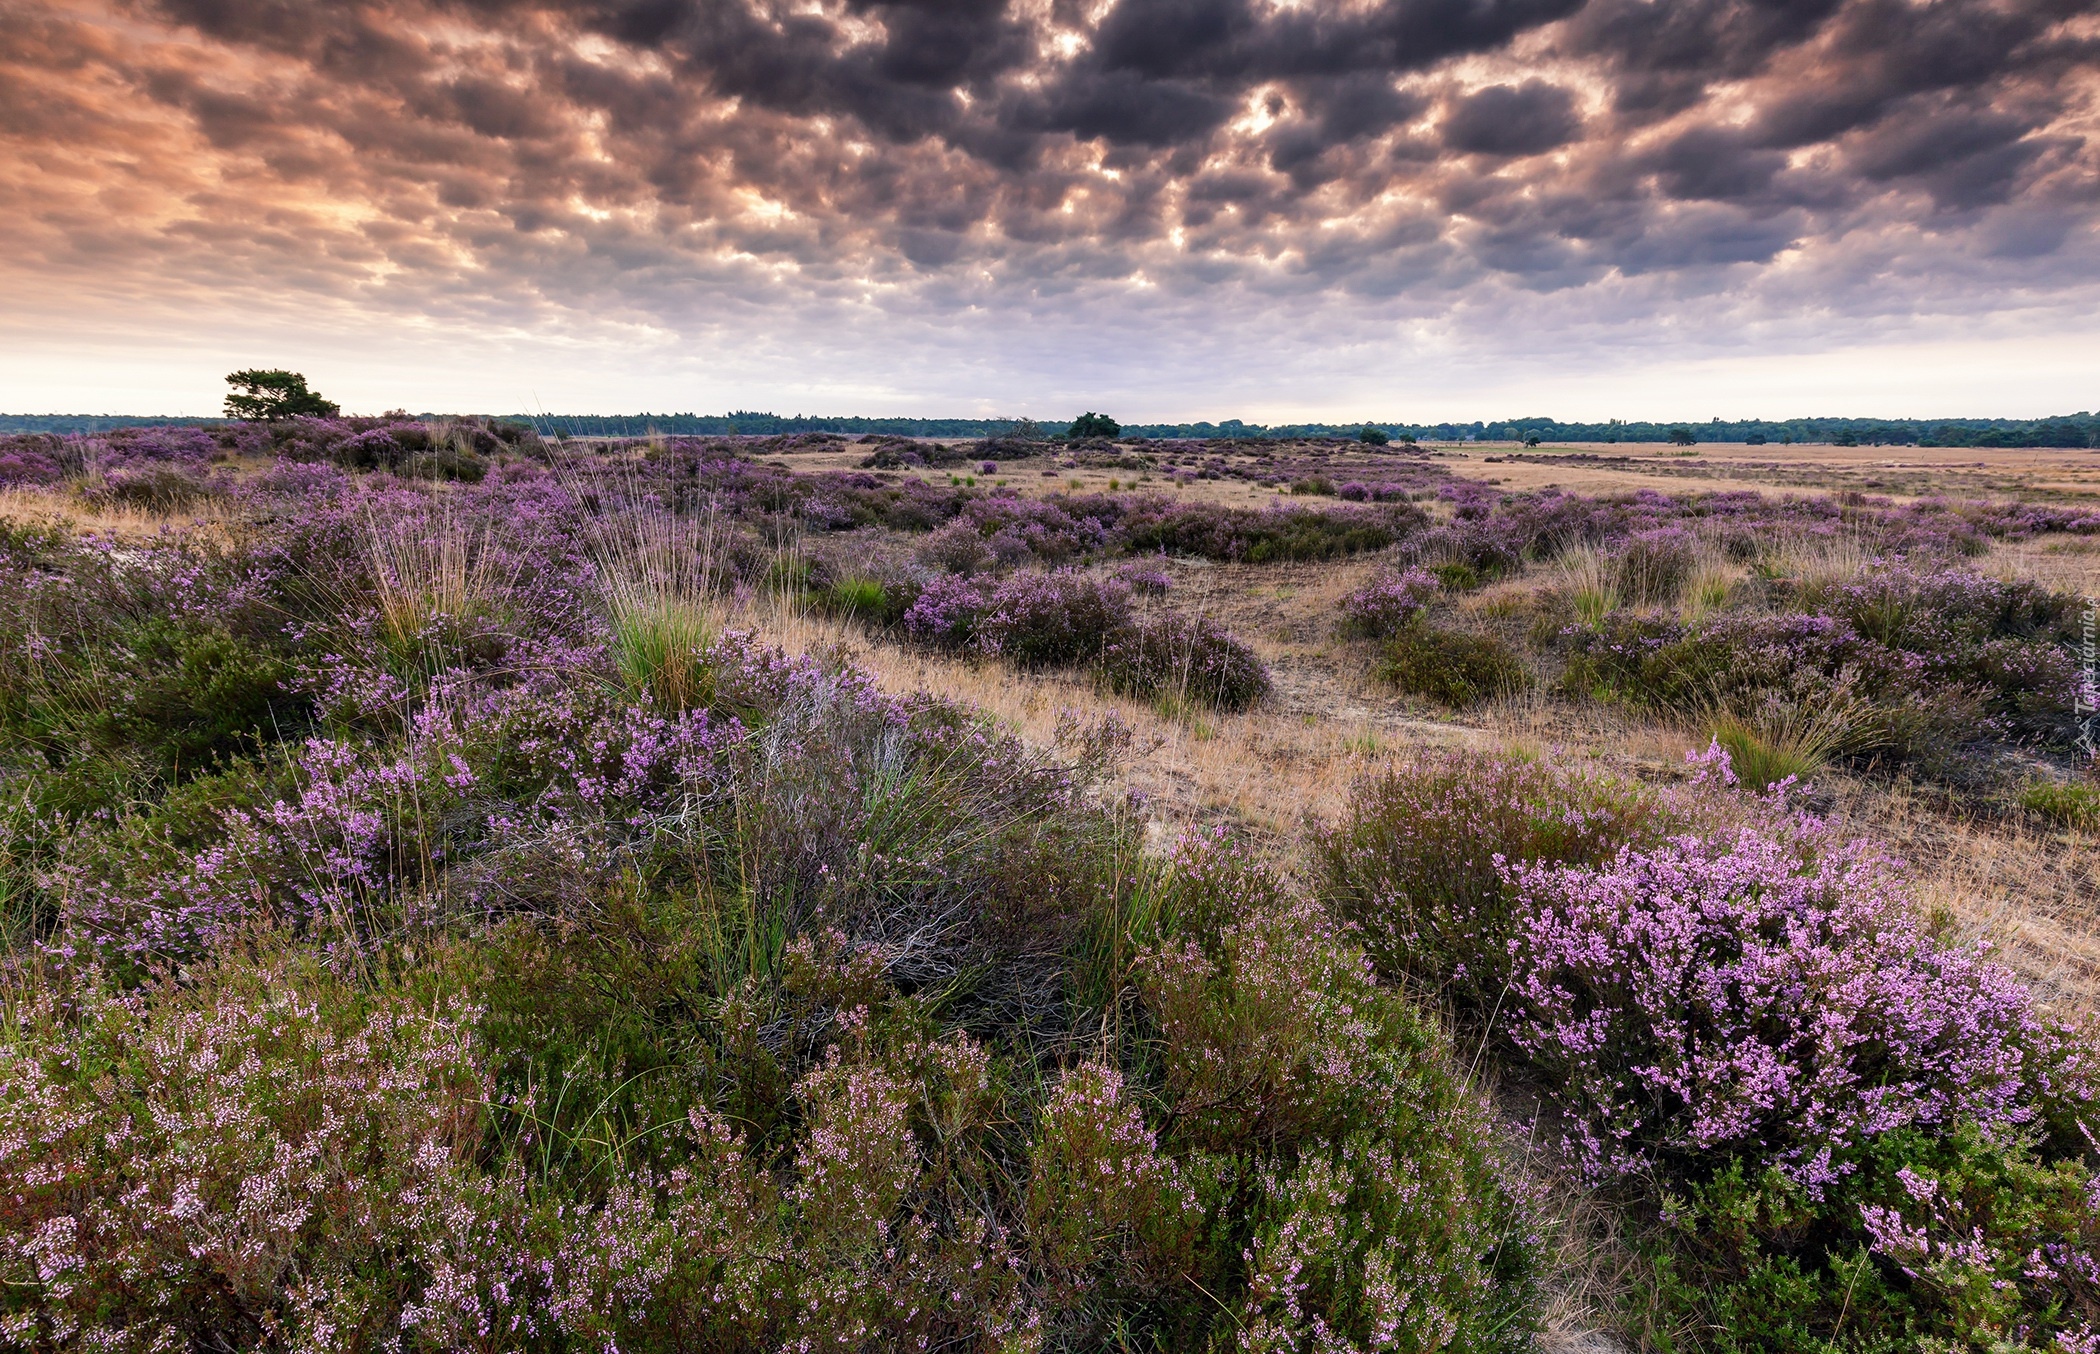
<point x="2066" y="430"/>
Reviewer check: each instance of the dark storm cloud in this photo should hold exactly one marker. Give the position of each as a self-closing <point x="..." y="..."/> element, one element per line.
<point x="1512" y="119"/>
<point x="526" y="156"/>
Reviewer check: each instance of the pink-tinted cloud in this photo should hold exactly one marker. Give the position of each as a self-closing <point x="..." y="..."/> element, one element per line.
<point x="874" y="179"/>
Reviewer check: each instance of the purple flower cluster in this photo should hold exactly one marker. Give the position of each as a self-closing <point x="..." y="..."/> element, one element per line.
<point x="946" y="612"/>
<point x="1188" y="657"/>
<point x="1382" y="607"/>
<point x="1920" y="653"/>
<point x="1765" y="996"/>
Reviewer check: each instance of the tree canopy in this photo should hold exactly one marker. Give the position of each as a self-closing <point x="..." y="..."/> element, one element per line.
<point x="273" y="395"/>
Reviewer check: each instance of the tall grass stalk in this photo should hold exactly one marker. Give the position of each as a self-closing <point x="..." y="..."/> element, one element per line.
<point x="1775" y="741"/>
<point x="428" y="570"/>
<point x="1819" y="561"/>
<point x="1591" y="582"/>
<point x="657" y="571"/>
<point x="1708" y="588"/>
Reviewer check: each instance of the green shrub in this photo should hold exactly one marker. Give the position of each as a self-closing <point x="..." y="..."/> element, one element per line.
<point x="1456" y="575"/>
<point x="1417" y="861"/>
<point x="2072" y="803"/>
<point x="1962" y="1245"/>
<point x="1454" y="667"/>
<point x="1186" y="659"/>
<point x="868" y="600"/>
<point x="1376" y="1204"/>
<point x="185" y="697"/>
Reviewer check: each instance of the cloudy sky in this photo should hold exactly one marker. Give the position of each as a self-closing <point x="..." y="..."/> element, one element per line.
<point x="1164" y="208"/>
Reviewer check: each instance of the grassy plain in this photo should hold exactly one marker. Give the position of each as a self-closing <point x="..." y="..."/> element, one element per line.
<point x="654" y="760"/>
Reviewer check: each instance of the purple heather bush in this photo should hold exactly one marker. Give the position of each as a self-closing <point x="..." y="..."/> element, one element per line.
<point x="1923" y="658"/>
<point x="1053" y="619"/>
<point x="1417" y="861"/>
<point x="946" y="612"/>
<point x="1738" y="1017"/>
<point x="1145" y="579"/>
<point x="1767" y="996"/>
<point x="1380" y="608"/>
<point x="1190" y="658"/>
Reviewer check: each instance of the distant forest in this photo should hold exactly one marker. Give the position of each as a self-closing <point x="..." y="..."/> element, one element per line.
<point x="2066" y="430"/>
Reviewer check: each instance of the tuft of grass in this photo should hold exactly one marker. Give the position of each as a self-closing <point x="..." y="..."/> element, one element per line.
<point x="1591" y="584"/>
<point x="1777" y="741"/>
<point x="1456" y="575"/>
<point x="427" y="572"/>
<point x="868" y="600"/>
<point x="2075" y="804"/>
<point x="656" y="569"/>
<point x="659" y="646"/>
<point x="1706" y="591"/>
<point x="1820" y="561"/>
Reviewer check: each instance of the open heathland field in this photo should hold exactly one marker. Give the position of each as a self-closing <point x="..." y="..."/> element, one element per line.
<point x="463" y="891"/>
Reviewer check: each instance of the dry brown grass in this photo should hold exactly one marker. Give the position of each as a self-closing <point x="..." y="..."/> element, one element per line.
<point x="59" y="507"/>
<point x="2032" y="892"/>
<point x="2065" y="563"/>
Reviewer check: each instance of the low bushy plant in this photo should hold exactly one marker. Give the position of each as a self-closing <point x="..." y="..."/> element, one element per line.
<point x="1651" y="568"/>
<point x="1043" y="620"/>
<point x="946" y="612"/>
<point x="1388" y="604"/>
<point x="2072" y="803"/>
<point x="1261" y="535"/>
<point x="1416" y="863"/>
<point x="263" y="1158"/>
<point x="1850" y="1120"/>
<point x="1457" y="668"/>
<point x="1188" y="657"/>
<point x="1380" y="1216"/>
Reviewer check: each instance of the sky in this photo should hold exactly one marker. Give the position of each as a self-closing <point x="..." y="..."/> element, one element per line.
<point x="1164" y="209"/>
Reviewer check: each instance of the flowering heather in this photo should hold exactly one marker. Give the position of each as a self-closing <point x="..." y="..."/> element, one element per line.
<point x="1146" y="580"/>
<point x="253" y="1157"/>
<point x="1037" y="619"/>
<point x="1763" y="996"/>
<point x="1276" y="1034"/>
<point x="1189" y="657"/>
<point x="1380" y="608"/>
<point x="1277" y="531"/>
<point x="946" y="612"/>
<point x="1745" y="1024"/>
<point x="1925" y="656"/>
<point x="1417" y="862"/>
